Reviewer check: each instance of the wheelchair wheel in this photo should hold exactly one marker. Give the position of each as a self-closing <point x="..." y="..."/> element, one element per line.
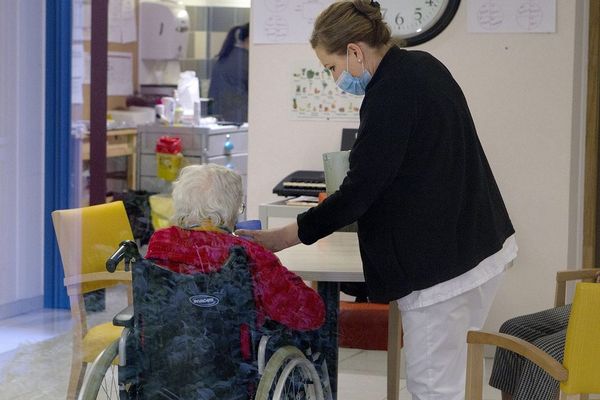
<point x="289" y="375"/>
<point x="102" y="381"/>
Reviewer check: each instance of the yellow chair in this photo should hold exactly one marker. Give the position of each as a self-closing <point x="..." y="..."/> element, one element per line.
<point x="161" y="210"/>
<point x="87" y="237"/>
<point x="580" y="371"/>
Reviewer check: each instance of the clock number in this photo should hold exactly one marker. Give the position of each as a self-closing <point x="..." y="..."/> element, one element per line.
<point x="399" y="20"/>
<point x="384" y="12"/>
<point x="418" y="14"/>
<point x="417" y="21"/>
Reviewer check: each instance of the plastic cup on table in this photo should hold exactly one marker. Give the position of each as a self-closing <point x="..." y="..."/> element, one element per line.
<point x="251" y="225"/>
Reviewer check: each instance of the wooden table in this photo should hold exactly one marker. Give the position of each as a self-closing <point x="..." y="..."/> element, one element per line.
<point x="119" y="143"/>
<point x="335" y="259"/>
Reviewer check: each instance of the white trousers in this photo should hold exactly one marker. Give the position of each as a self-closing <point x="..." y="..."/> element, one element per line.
<point x="435" y="342"/>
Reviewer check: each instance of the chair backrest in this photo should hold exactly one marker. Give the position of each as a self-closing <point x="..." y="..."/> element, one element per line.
<point x="87" y="237"/>
<point x="563" y="277"/>
<point x="161" y="210"/>
<point x="582" y="346"/>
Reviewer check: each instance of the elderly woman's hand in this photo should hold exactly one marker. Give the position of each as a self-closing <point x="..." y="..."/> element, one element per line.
<point x="273" y="239"/>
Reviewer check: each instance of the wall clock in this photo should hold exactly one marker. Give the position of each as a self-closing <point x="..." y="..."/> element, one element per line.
<point x="417" y="21"/>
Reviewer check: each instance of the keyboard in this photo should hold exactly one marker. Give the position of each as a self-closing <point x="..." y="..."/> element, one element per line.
<point x="301" y="183"/>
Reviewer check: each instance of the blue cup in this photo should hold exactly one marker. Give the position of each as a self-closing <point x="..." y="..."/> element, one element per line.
<point x="251" y="225"/>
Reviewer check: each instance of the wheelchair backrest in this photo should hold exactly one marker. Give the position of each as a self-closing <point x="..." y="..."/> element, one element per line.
<point x="190" y="329"/>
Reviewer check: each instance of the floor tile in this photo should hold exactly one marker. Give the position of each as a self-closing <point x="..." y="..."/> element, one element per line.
<point x="33" y="327"/>
<point x="366" y="361"/>
<point x="345" y="353"/>
<point x="361" y="386"/>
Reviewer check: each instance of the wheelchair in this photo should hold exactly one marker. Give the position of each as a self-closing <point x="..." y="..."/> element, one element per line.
<point x="194" y="336"/>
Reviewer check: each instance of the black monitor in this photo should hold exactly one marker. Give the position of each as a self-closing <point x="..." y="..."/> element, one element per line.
<point x="348" y="138"/>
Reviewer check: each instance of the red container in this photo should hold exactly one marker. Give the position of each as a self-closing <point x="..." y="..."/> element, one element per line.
<point x="168" y="157"/>
<point x="168" y="145"/>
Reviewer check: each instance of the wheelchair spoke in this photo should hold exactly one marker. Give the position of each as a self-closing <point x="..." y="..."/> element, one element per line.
<point x="110" y="386"/>
<point x="101" y="381"/>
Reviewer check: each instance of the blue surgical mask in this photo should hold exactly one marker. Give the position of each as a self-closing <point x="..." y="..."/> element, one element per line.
<point x="353" y="84"/>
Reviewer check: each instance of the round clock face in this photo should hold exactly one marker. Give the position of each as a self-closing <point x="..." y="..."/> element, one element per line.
<point x="416" y="21"/>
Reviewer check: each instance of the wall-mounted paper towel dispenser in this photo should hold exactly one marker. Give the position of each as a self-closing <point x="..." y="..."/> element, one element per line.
<point x="164" y="30"/>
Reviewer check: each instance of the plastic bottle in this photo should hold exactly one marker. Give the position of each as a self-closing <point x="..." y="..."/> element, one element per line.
<point x="197" y="114"/>
<point x="178" y="114"/>
<point x="169" y="104"/>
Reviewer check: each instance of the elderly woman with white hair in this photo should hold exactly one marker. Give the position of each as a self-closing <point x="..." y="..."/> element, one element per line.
<point x="207" y="200"/>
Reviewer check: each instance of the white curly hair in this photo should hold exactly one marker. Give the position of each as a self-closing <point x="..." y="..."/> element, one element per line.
<point x="207" y="192"/>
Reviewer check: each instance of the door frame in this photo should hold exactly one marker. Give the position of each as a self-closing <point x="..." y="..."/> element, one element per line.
<point x="57" y="142"/>
<point x="592" y="132"/>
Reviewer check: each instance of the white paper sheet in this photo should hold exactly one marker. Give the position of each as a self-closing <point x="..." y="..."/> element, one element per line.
<point x="87" y="62"/>
<point x="121" y="21"/>
<point x="285" y="21"/>
<point x="77" y="73"/>
<point x="87" y="20"/>
<point x="506" y="16"/>
<point x="114" y="21"/>
<point x="82" y="12"/>
<point x="77" y="34"/>
<point x="128" y="23"/>
<point x="120" y="74"/>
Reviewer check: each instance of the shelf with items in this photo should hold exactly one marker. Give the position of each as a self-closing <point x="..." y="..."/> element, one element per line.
<point x="119" y="143"/>
<point x="225" y="145"/>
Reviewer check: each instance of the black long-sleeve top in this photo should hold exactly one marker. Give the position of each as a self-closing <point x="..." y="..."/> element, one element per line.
<point x="229" y="86"/>
<point x="419" y="185"/>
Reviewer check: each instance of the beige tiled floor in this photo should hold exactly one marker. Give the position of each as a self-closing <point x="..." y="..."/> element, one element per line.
<point x="362" y="376"/>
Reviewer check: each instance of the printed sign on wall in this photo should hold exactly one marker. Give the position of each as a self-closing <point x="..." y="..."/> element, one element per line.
<point x="285" y="21"/>
<point x="315" y="96"/>
<point x="518" y="16"/>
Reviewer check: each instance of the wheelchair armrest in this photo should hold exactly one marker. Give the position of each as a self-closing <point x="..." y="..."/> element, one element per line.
<point x="124" y="318"/>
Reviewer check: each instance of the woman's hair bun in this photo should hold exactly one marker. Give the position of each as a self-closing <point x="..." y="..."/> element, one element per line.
<point x="369" y="8"/>
<point x="350" y="21"/>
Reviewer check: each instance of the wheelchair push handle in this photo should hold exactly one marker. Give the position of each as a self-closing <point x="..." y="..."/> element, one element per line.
<point x="127" y="250"/>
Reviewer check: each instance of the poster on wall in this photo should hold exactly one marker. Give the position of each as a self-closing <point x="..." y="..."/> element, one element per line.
<point x="511" y="16"/>
<point x="285" y="21"/>
<point x="119" y="74"/>
<point x="121" y="21"/>
<point x="82" y="17"/>
<point x="315" y="96"/>
<point x="77" y="73"/>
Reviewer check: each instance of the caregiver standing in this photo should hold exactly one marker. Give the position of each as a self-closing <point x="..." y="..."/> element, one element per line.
<point x="433" y="230"/>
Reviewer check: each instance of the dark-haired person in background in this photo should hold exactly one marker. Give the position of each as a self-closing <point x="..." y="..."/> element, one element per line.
<point x="229" y="77"/>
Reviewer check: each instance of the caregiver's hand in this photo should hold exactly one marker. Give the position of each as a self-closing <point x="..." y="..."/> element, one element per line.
<point x="273" y="239"/>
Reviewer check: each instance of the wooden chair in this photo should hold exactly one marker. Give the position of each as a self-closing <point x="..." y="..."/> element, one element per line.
<point x="580" y="371"/>
<point x="86" y="238"/>
<point x="363" y="325"/>
<point x="372" y="326"/>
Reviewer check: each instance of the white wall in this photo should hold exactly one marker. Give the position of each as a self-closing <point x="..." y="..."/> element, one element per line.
<point x="21" y="155"/>
<point x="525" y="95"/>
